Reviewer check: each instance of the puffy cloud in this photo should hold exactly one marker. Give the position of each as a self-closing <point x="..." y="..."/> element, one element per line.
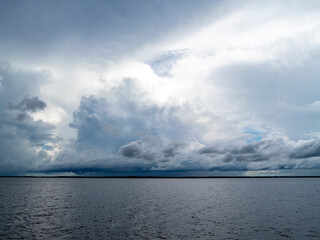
<point x="136" y="149"/>
<point x="29" y="103"/>
<point x="21" y="137"/>
<point x="172" y="149"/>
<point x="125" y="131"/>
<point x="306" y="150"/>
<point x="127" y="114"/>
<point x="132" y="149"/>
<point x="253" y="152"/>
<point x="230" y="90"/>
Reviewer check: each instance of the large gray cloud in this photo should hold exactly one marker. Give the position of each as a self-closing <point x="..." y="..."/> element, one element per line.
<point x="136" y="150"/>
<point x="20" y="134"/>
<point x="123" y="116"/>
<point x="29" y="103"/>
<point x="100" y="28"/>
<point x="263" y="150"/>
<point x="306" y="150"/>
<point x="222" y="90"/>
<point x="172" y="149"/>
<point x="123" y="131"/>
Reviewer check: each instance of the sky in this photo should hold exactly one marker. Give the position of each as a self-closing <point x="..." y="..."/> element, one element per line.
<point x="159" y="88"/>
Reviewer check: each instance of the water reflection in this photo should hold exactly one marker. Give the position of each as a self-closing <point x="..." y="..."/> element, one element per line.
<point x="159" y="208"/>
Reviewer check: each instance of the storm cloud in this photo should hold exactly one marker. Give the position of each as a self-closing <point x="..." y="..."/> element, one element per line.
<point x="143" y="87"/>
<point x="306" y="150"/>
<point x="20" y="134"/>
<point x="123" y="116"/>
<point x="136" y="150"/>
<point x="29" y="104"/>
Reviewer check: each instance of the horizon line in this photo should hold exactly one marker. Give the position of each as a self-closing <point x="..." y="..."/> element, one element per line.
<point x="159" y="177"/>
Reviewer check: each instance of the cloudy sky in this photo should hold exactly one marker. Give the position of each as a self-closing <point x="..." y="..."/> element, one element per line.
<point x="172" y="88"/>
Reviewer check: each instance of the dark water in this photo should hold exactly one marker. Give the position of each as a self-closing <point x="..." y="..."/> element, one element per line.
<point x="159" y="208"/>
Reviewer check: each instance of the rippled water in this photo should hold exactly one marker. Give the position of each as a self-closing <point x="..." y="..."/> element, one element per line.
<point x="54" y="208"/>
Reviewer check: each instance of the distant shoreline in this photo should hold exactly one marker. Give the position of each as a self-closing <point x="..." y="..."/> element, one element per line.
<point x="194" y="177"/>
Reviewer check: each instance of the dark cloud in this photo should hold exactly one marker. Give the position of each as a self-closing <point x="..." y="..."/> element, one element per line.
<point x="20" y="134"/>
<point x="251" y="152"/>
<point x="255" y="147"/>
<point x="136" y="149"/>
<point x="307" y="150"/>
<point x="112" y="27"/>
<point x="29" y="104"/>
<point x="208" y="150"/>
<point x="131" y="150"/>
<point x="22" y="116"/>
<point x="172" y="149"/>
<point x="71" y="161"/>
<point x="252" y="157"/>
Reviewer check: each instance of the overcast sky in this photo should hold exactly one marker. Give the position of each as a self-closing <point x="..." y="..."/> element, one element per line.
<point x="159" y="87"/>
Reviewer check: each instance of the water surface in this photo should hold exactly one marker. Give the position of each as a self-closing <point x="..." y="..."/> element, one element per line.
<point x="75" y="208"/>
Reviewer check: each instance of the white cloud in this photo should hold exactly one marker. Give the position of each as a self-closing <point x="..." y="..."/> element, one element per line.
<point x="248" y="74"/>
